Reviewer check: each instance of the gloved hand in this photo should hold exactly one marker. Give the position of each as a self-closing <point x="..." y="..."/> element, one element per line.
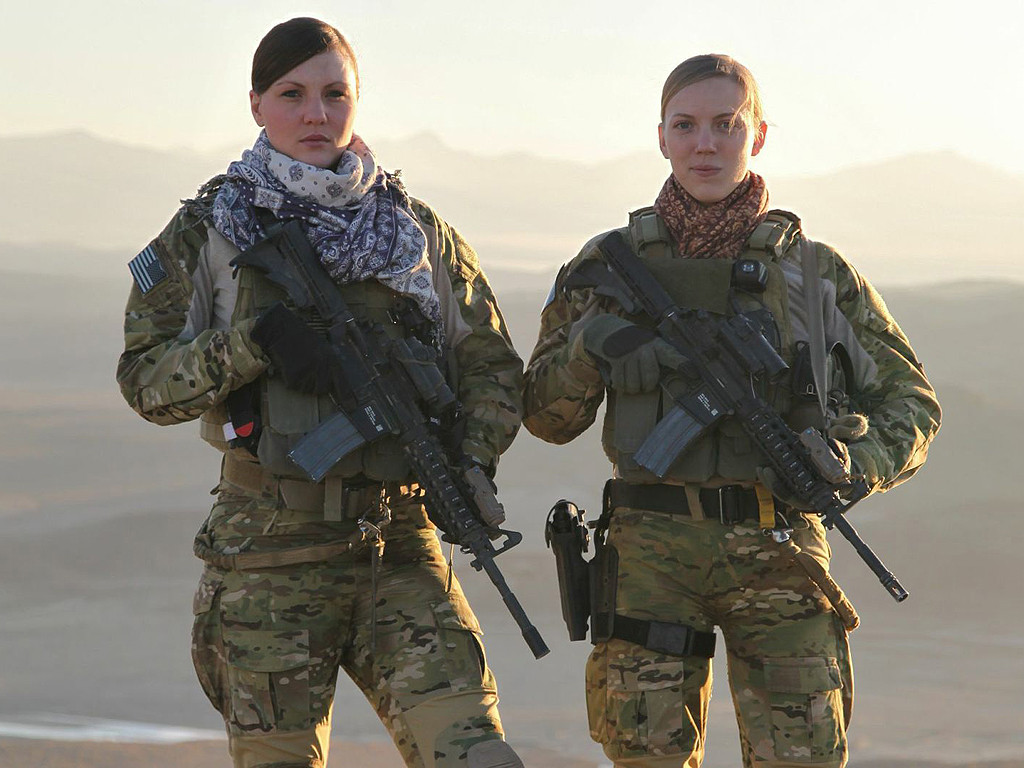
<point x="299" y="355"/>
<point x="769" y="478"/>
<point x="630" y="355"/>
<point x="845" y="429"/>
<point x="481" y="487"/>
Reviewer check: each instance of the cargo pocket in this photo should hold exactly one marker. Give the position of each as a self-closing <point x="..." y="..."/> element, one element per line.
<point x="207" y="649"/>
<point x="208" y="589"/>
<point x="805" y="701"/>
<point x="645" y="711"/>
<point x="458" y="635"/>
<point x="268" y="674"/>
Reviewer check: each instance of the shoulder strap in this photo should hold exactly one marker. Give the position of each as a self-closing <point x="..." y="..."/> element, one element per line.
<point x="649" y="234"/>
<point x="815" y="317"/>
<point x="776" y="233"/>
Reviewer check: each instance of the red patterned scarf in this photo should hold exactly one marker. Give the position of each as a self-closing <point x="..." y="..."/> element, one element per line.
<point x="716" y="230"/>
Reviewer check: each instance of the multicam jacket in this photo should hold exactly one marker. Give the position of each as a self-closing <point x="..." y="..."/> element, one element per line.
<point x="563" y="387"/>
<point x="171" y="373"/>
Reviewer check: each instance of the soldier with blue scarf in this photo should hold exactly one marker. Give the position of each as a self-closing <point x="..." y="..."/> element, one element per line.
<point x="297" y="582"/>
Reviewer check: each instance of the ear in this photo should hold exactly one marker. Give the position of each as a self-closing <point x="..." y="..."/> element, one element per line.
<point x="661" y="140"/>
<point x="762" y="131"/>
<point x="254" y="105"/>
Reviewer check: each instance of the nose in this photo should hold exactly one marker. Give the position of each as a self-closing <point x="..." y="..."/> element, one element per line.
<point x="706" y="140"/>
<point x="314" y="112"/>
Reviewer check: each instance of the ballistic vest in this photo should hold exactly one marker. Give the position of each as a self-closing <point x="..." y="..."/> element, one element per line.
<point x="724" y="453"/>
<point x="287" y="415"/>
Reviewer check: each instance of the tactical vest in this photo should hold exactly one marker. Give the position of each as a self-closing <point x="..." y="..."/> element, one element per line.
<point x="724" y="453"/>
<point x="287" y="415"/>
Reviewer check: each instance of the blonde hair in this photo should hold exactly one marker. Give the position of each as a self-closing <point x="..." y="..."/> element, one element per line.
<point x="709" y="65"/>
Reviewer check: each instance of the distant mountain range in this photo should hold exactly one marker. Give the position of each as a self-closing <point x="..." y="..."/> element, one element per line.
<point x="77" y="203"/>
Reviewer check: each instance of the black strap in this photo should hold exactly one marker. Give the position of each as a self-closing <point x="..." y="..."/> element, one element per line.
<point x="664" y="637"/>
<point x="730" y="504"/>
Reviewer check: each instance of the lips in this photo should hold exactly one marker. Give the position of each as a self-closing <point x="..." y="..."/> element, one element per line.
<point x="705" y="170"/>
<point x="316" y="138"/>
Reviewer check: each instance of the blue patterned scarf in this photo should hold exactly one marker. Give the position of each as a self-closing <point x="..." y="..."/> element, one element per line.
<point x="357" y="217"/>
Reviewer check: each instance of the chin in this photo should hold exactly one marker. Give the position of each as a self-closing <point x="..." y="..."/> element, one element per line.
<point x="711" y="193"/>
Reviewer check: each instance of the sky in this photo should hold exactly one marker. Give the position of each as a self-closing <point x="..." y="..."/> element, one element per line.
<point x="843" y="83"/>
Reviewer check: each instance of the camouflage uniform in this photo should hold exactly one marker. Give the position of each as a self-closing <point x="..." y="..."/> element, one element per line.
<point x="788" y="657"/>
<point x="288" y="594"/>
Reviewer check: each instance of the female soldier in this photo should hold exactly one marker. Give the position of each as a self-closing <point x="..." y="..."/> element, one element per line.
<point x="691" y="551"/>
<point x="294" y="586"/>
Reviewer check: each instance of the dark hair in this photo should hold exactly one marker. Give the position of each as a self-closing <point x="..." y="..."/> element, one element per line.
<point x="292" y="42"/>
<point x="708" y="65"/>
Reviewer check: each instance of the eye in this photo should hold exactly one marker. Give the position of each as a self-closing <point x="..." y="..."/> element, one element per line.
<point x="336" y="93"/>
<point x="291" y="93"/>
<point x="682" y="125"/>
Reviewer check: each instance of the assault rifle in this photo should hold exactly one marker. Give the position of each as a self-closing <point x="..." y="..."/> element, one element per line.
<point x="381" y="383"/>
<point x="725" y="356"/>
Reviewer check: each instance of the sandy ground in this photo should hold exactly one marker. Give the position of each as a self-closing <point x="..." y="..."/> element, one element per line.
<point x="98" y="510"/>
<point x="211" y="754"/>
<point x="22" y="753"/>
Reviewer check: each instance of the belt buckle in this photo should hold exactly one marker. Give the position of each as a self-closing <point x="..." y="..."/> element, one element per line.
<point x="729" y="512"/>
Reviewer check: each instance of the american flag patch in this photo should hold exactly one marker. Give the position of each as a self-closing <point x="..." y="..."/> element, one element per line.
<point x="147" y="269"/>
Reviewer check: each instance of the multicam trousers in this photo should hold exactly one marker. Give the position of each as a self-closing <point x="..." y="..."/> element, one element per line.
<point x="267" y="646"/>
<point x="788" y="657"/>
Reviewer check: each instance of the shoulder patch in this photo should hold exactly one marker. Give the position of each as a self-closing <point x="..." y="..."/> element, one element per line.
<point x="147" y="270"/>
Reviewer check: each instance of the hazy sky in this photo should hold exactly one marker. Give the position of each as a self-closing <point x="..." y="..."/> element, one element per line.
<point x="843" y="83"/>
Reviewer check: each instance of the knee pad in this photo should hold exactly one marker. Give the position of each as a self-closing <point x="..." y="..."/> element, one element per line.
<point x="792" y="711"/>
<point x="441" y="727"/>
<point x="277" y="749"/>
<point x="492" y="754"/>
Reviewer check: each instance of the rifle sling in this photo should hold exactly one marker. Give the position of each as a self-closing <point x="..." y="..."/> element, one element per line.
<point x="815" y="318"/>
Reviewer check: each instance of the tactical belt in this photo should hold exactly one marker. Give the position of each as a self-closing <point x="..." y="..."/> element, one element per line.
<point x="664" y="637"/>
<point x="259" y="561"/>
<point x="729" y="504"/>
<point x="336" y="498"/>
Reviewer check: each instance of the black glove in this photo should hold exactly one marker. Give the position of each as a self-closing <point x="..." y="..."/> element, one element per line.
<point x="480" y="486"/>
<point x="299" y="355"/>
<point x="634" y="356"/>
<point x="770" y="479"/>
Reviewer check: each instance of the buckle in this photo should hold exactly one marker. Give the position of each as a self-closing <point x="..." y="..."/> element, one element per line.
<point x="730" y="510"/>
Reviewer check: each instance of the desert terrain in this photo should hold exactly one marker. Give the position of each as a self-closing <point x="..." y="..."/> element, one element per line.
<point x="98" y="510"/>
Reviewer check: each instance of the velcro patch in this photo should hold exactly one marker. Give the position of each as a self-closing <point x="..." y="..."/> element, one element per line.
<point x="147" y="269"/>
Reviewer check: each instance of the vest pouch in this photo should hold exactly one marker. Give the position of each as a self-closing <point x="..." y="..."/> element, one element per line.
<point x="384" y="460"/>
<point x="634" y="418"/>
<point x="738" y="457"/>
<point x="288" y="416"/>
<point x="627" y="424"/>
<point x="695" y="283"/>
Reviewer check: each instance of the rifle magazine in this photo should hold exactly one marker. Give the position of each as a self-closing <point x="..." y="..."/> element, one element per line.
<point x="325" y="446"/>
<point x="669" y="438"/>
